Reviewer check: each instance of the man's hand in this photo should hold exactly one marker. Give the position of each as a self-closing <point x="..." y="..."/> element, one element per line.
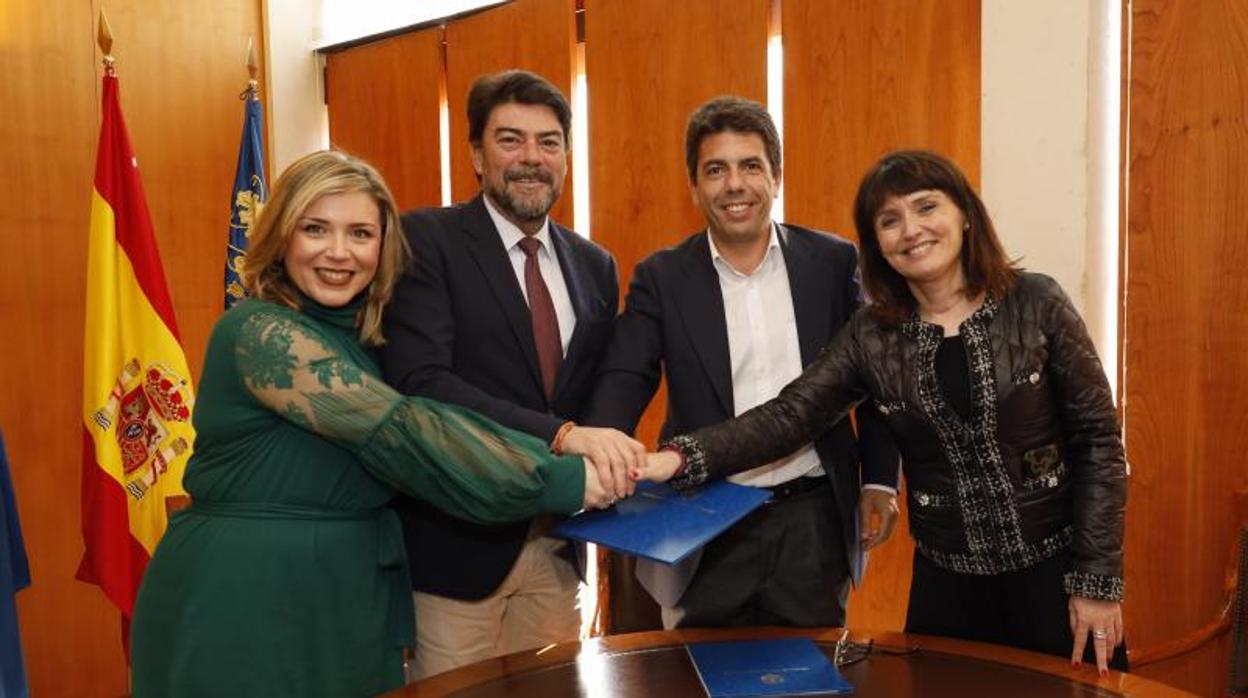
<point x="657" y="467"/>
<point x="877" y="515"/>
<point x="613" y="453"/>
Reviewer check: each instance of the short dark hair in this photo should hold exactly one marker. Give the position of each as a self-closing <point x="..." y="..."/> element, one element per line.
<point x="730" y="113"/>
<point x="904" y="172"/>
<point x="513" y="86"/>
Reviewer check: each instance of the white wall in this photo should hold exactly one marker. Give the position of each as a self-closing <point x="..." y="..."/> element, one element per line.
<point x="300" y="121"/>
<point x="1045" y="153"/>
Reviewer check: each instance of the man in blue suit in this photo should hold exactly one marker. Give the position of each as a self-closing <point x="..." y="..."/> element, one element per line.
<point x="731" y="315"/>
<point x="505" y="312"/>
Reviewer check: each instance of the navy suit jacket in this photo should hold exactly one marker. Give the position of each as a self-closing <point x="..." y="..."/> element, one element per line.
<point x="458" y="330"/>
<point x="673" y="324"/>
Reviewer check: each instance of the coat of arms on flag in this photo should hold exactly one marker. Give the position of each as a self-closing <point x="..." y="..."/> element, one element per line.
<point x="138" y="412"/>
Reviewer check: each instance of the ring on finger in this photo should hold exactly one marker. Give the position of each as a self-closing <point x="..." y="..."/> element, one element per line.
<point x="1099" y="634"/>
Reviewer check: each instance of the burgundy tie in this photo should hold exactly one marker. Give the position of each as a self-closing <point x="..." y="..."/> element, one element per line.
<point x="545" y="322"/>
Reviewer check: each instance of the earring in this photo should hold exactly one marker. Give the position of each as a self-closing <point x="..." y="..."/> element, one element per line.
<point x="966" y="226"/>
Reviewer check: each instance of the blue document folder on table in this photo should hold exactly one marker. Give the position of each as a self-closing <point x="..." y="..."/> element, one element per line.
<point x="661" y="524"/>
<point x="785" y="667"/>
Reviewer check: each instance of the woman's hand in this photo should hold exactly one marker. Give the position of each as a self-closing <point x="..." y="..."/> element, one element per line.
<point x="658" y="467"/>
<point x="1101" y="619"/>
<point x="597" y="496"/>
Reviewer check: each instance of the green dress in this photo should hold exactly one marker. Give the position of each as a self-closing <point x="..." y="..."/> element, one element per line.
<point x="287" y="574"/>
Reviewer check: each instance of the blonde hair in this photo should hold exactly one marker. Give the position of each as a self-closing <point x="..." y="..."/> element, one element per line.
<point x="306" y="180"/>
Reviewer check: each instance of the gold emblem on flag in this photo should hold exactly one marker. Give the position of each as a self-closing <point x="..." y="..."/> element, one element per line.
<point x="139" y="409"/>
<point x="247" y="202"/>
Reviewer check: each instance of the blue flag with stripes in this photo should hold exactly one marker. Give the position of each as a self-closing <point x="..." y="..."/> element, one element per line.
<point x="14" y="576"/>
<point x="249" y="189"/>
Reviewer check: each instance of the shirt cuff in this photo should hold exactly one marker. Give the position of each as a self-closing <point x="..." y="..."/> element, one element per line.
<point x="882" y="488"/>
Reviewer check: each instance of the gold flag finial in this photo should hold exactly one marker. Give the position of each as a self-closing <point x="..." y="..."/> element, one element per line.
<point x="253" y="69"/>
<point x="104" y="37"/>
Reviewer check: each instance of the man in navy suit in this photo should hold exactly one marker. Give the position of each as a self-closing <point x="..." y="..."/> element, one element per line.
<point x="505" y="312"/>
<point x="731" y="315"/>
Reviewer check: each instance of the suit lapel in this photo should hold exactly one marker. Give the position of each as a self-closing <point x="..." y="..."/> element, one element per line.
<point x="811" y="288"/>
<point x="579" y="286"/>
<point x="701" y="304"/>
<point x="487" y="249"/>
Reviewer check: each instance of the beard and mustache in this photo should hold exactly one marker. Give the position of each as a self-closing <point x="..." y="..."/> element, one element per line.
<point x="520" y="207"/>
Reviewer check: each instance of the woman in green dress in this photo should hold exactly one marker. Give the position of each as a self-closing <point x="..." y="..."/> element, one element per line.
<point x="287" y="574"/>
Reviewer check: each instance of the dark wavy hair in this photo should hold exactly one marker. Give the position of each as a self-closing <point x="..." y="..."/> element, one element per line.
<point x="730" y="113"/>
<point x="903" y="172"/>
<point x="518" y="87"/>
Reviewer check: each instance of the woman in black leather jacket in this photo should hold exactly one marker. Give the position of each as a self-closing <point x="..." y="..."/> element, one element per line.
<point x="993" y="392"/>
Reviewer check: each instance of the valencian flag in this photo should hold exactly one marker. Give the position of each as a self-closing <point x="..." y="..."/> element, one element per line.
<point x="248" y="191"/>
<point x="137" y="397"/>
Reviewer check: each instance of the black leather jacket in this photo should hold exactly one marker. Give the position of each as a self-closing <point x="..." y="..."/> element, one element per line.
<point x="1038" y="468"/>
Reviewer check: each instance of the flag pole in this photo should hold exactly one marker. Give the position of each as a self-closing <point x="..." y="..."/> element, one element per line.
<point x="253" y="69"/>
<point x="104" y="38"/>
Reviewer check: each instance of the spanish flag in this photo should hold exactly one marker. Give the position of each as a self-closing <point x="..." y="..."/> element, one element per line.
<point x="137" y="398"/>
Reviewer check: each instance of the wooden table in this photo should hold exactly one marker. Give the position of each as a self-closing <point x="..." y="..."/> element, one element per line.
<point x="656" y="664"/>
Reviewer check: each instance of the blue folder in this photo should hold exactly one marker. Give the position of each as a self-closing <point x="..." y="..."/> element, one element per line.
<point x="786" y="667"/>
<point x="661" y="524"/>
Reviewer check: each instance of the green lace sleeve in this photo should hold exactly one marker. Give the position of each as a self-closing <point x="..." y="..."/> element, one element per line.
<point x="456" y="459"/>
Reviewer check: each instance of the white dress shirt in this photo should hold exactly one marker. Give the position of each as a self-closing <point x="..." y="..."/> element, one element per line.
<point x="764" y="350"/>
<point x="547" y="263"/>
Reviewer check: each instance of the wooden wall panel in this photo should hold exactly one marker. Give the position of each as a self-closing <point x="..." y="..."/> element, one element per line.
<point x="861" y="78"/>
<point x="645" y="77"/>
<point x="383" y="106"/>
<point x="536" y="35"/>
<point x="1186" y="389"/>
<point x="181" y="70"/>
<point x="49" y="141"/>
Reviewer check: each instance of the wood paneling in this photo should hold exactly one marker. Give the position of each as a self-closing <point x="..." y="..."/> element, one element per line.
<point x="645" y="77"/>
<point x="383" y="106"/>
<point x="861" y="78"/>
<point x="1186" y="389"/>
<point x="181" y="69"/>
<point x="536" y="35"/>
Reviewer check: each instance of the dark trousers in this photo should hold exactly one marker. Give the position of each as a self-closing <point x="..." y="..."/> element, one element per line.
<point x="1025" y="608"/>
<point x="784" y="564"/>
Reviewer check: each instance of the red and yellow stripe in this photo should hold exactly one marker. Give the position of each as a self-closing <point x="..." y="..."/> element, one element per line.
<point x="129" y="321"/>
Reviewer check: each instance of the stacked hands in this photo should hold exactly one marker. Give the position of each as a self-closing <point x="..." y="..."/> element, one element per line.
<point x="615" y="462"/>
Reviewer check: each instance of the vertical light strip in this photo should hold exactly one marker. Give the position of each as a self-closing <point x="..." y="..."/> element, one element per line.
<point x="444" y="147"/>
<point x="588" y="596"/>
<point x="1104" y="166"/>
<point x="580" y="145"/>
<point x="775" y="93"/>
